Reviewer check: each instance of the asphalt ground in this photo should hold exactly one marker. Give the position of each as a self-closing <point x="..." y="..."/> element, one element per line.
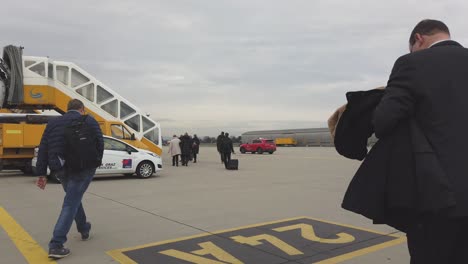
<point x="279" y="208"/>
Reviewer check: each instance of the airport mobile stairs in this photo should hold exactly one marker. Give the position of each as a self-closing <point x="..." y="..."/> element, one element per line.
<point x="39" y="83"/>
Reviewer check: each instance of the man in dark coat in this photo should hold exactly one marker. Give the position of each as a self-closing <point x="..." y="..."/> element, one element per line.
<point x="219" y="142"/>
<point x="186" y="148"/>
<point x="195" y="147"/>
<point x="227" y="148"/>
<point x="430" y="86"/>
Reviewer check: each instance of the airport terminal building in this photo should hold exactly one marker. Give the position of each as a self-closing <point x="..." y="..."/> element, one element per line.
<point x="304" y="137"/>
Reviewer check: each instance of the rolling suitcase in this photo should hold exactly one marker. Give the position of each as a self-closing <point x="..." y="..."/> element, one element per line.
<point x="232" y="164"/>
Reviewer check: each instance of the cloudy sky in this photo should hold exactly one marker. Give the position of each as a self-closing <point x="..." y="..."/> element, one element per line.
<point x="210" y="65"/>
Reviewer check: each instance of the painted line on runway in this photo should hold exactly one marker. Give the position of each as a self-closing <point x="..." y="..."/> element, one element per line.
<point x="362" y="252"/>
<point x="297" y="239"/>
<point x="29" y="248"/>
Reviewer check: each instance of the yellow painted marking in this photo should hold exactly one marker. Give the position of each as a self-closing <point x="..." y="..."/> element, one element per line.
<point x="14" y="132"/>
<point x="361" y="252"/>
<point x="280" y="244"/>
<point x="307" y="232"/>
<point x="189" y="257"/>
<point x="31" y="250"/>
<point x="217" y="232"/>
<point x="208" y="248"/>
<point x="118" y="255"/>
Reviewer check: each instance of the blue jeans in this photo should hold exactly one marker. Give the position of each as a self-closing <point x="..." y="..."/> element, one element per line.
<point x="75" y="185"/>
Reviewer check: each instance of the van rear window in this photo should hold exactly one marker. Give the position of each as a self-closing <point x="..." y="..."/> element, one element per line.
<point x="270" y="141"/>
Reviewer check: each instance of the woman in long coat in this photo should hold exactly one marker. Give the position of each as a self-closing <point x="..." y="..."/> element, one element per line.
<point x="174" y="150"/>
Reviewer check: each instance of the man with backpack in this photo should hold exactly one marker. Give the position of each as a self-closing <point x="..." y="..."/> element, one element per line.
<point x="71" y="147"/>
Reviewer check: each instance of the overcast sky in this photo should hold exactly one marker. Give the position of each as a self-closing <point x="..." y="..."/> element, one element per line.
<point x="210" y="65"/>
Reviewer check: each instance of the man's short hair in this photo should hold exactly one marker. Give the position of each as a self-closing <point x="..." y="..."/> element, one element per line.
<point x="75" y="104"/>
<point x="428" y="27"/>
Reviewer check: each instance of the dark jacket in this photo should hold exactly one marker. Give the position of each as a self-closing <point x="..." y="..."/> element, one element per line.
<point x="186" y="145"/>
<point x="401" y="176"/>
<point x="355" y="127"/>
<point x="53" y="141"/>
<point x="196" y="145"/>
<point x="219" y="142"/>
<point x="226" y="145"/>
<point x="430" y="86"/>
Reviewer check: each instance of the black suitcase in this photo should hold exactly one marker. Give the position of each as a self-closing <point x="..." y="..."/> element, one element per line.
<point x="232" y="164"/>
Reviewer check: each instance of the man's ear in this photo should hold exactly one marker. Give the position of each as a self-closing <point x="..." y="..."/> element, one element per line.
<point x="420" y="38"/>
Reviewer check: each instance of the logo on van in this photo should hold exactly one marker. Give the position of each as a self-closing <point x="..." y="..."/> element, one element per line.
<point x="35" y="95"/>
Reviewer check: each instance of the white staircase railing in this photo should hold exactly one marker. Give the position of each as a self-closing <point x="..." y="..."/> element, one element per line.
<point x="77" y="83"/>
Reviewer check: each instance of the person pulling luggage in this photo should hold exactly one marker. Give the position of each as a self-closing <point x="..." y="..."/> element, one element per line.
<point x="226" y="149"/>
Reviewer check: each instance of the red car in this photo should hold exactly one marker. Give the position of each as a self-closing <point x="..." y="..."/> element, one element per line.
<point x="259" y="145"/>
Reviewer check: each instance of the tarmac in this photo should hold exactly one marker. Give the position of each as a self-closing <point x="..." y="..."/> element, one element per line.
<point x="279" y="208"/>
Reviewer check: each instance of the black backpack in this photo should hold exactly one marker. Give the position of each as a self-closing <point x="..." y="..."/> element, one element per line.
<point x="80" y="146"/>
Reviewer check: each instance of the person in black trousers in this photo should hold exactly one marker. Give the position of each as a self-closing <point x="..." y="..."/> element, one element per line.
<point x="195" y="147"/>
<point x="219" y="143"/>
<point x="226" y="149"/>
<point x="430" y="85"/>
<point x="186" y="148"/>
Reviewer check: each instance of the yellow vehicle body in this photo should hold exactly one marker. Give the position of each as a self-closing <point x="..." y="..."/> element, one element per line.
<point x="19" y="140"/>
<point x="17" y="144"/>
<point x="289" y="141"/>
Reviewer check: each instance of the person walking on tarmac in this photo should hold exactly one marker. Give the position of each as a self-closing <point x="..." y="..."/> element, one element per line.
<point x="186" y="147"/>
<point x="174" y="150"/>
<point x="72" y="147"/>
<point x="219" y="143"/>
<point x="195" y="147"/>
<point x="227" y="148"/>
<point x="427" y="89"/>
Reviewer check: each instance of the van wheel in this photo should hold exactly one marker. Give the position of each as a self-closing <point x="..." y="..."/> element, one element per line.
<point x="271" y="152"/>
<point x="242" y="150"/>
<point x="260" y="151"/>
<point x="145" y="169"/>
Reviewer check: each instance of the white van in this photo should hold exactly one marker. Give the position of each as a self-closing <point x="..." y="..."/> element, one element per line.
<point x="122" y="158"/>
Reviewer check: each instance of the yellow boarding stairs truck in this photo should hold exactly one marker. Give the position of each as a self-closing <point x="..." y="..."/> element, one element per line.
<point x="39" y="83"/>
<point x="289" y="141"/>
